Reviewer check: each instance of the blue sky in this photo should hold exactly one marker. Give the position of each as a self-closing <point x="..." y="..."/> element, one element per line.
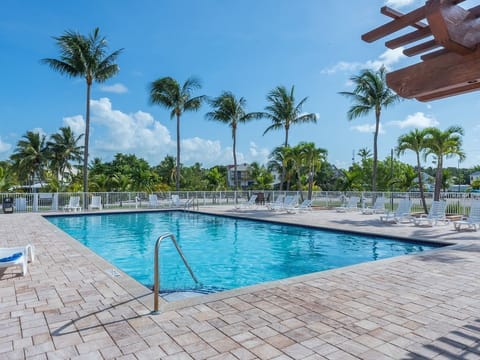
<point x="248" y="47"/>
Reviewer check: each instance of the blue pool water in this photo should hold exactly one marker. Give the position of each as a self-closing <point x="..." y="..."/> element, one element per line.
<point x="224" y="253"/>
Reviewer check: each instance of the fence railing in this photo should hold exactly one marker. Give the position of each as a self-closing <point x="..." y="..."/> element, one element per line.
<point x="457" y="202"/>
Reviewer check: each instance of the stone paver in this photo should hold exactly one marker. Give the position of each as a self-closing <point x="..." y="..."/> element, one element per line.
<point x="411" y="307"/>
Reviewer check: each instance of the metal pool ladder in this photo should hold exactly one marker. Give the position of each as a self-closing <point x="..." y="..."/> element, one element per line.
<point x="156" y="278"/>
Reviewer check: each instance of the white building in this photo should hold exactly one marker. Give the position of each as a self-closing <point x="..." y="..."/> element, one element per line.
<point x="243" y="171"/>
<point x="474" y="176"/>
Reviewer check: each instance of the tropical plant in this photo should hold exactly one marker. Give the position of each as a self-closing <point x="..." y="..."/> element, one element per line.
<point x="62" y="150"/>
<point x="297" y="161"/>
<point x="364" y="154"/>
<point x="279" y="161"/>
<point x="30" y="157"/>
<point x="231" y="111"/>
<point x="168" y="93"/>
<point x="283" y="112"/>
<point x="85" y="57"/>
<point x="443" y="145"/>
<point x="167" y="170"/>
<point x="371" y="93"/>
<point x="414" y="141"/>
<point x="313" y="158"/>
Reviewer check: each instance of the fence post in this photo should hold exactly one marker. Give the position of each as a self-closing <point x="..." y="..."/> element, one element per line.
<point x="35" y="202"/>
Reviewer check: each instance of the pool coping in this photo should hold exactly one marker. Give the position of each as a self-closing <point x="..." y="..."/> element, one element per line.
<point x="135" y="288"/>
<point x="319" y="314"/>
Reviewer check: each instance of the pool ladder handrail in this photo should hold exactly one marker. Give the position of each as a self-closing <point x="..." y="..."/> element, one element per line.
<point x="191" y="203"/>
<point x="156" y="267"/>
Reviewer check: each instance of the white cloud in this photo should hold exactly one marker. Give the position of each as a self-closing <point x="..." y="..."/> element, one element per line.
<point x="387" y="59"/>
<point x="399" y="3"/>
<point x="39" y="131"/>
<point x="367" y="128"/>
<point x="76" y="123"/>
<point x="4" y="147"/>
<point x="139" y="133"/>
<point x="417" y="120"/>
<point x="130" y="133"/>
<point x="115" y="88"/>
<point x="258" y="154"/>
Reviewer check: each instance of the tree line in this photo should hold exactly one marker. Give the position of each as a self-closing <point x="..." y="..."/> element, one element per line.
<point x="299" y="166"/>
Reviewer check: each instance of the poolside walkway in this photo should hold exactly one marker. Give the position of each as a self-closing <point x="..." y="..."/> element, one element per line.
<point x="73" y="304"/>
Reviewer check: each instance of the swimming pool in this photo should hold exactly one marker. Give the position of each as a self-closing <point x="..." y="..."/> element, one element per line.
<point x="224" y="253"/>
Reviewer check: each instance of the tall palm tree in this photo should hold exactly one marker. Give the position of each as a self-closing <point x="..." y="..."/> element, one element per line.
<point x="279" y="161"/>
<point x="30" y="157"/>
<point x="313" y="159"/>
<point x="443" y="144"/>
<point x="63" y="149"/>
<point x="371" y="93"/>
<point x="284" y="112"/>
<point x="85" y="57"/>
<point x="168" y="93"/>
<point x="414" y="141"/>
<point x="296" y="158"/>
<point x="231" y="111"/>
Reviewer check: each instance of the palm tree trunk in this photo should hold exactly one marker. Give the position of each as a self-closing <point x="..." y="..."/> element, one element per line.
<point x="85" y="154"/>
<point x="284" y="169"/>
<point x="375" y="151"/>
<point x="310" y="183"/>
<point x="420" y="184"/>
<point x="177" y="170"/>
<point x="235" y="174"/>
<point x="438" y="179"/>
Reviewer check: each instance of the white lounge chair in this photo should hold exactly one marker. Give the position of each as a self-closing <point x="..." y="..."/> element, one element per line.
<point x="96" y="203"/>
<point x="401" y="214"/>
<point x="153" y="200"/>
<point x="306" y="205"/>
<point x="435" y="215"/>
<point x="249" y="204"/>
<point x="176" y="202"/>
<point x="17" y="256"/>
<point x="472" y="221"/>
<point x="352" y="204"/>
<point x="377" y="208"/>
<point x="290" y="201"/>
<point x="73" y="204"/>
<point x="276" y="204"/>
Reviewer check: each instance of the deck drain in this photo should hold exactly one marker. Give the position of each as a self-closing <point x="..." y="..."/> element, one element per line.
<point x="113" y="272"/>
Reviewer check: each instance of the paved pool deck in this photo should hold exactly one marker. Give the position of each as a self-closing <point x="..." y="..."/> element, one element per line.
<point x="74" y="305"/>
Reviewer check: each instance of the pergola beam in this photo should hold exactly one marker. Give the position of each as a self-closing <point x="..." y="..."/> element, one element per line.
<point x="441" y="76"/>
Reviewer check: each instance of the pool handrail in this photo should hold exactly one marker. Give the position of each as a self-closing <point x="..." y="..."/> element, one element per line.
<point x="156" y="277"/>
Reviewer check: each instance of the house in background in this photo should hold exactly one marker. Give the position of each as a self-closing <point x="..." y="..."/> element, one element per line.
<point x="474" y="176"/>
<point x="244" y="178"/>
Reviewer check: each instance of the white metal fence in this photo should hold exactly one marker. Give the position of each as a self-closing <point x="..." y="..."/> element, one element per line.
<point x="458" y="202"/>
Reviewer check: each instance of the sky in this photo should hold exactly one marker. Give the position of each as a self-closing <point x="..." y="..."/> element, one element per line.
<point x="248" y="47"/>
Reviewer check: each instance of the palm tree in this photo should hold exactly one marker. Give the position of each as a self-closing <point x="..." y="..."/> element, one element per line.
<point x="443" y="144"/>
<point x="371" y="94"/>
<point x="231" y="111"/>
<point x="364" y="153"/>
<point x="415" y="141"/>
<point x="168" y="93"/>
<point x="30" y="157"/>
<point x="63" y="149"/>
<point x="279" y="161"/>
<point x="313" y="159"/>
<point x="85" y="57"/>
<point x="283" y="112"/>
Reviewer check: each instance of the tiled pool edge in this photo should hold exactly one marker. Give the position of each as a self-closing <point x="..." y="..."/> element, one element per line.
<point x="324" y="300"/>
<point x="137" y="289"/>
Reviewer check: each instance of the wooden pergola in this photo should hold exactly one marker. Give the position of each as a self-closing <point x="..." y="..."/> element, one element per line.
<point x="447" y="38"/>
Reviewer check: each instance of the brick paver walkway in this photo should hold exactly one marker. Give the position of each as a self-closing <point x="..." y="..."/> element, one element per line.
<point x="424" y="306"/>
